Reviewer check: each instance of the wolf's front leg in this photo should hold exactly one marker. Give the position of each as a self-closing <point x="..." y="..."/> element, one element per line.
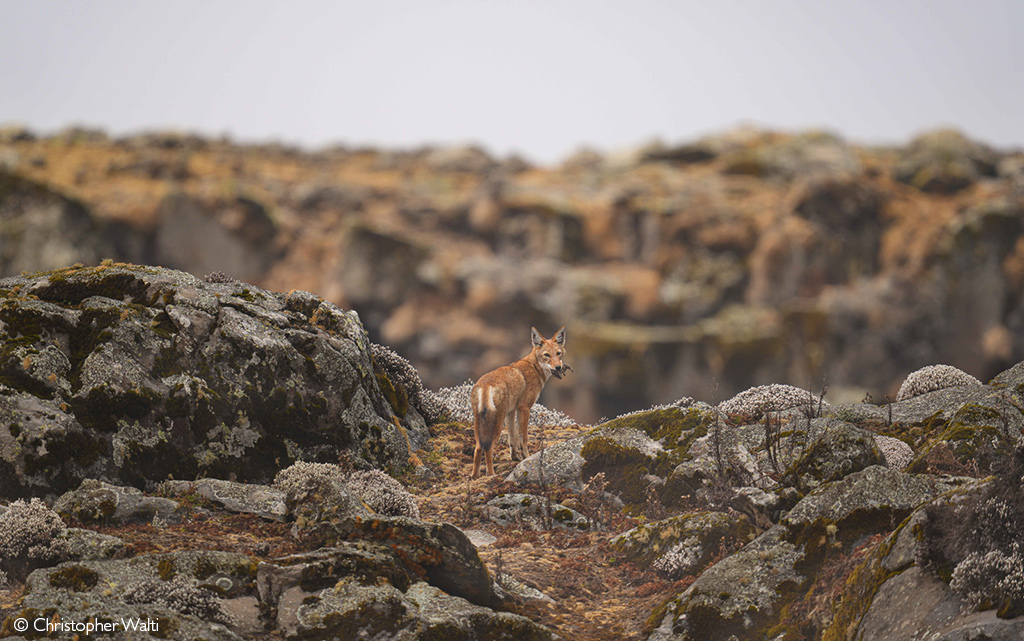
<point x="522" y="421"/>
<point x="514" y="438"/>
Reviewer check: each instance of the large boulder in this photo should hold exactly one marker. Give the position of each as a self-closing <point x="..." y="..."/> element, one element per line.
<point x="355" y="589"/>
<point x="325" y="509"/>
<point x="629" y="450"/>
<point x="683" y="545"/>
<point x="133" y="375"/>
<point x="98" y="502"/>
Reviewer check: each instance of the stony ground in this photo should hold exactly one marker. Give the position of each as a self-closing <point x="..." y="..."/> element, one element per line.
<point x="592" y="596"/>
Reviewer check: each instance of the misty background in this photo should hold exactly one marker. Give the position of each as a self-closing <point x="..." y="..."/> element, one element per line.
<point x="533" y="78"/>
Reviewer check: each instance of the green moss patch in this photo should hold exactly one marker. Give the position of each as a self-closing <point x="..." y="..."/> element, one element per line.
<point x="675" y="428"/>
<point x="623" y="467"/>
<point x="971" y="445"/>
<point x="78" y="578"/>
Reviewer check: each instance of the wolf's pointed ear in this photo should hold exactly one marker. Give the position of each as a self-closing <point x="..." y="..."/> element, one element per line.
<point x="535" y="336"/>
<point x="560" y="336"/>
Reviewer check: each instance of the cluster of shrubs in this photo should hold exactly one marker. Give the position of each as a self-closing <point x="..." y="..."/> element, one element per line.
<point x="933" y="378"/>
<point x="680" y="559"/>
<point x="974" y="542"/>
<point x="755" y="402"/>
<point x="179" y="594"/>
<point x="896" y="452"/>
<point x="376" y="489"/>
<point x="31" y="536"/>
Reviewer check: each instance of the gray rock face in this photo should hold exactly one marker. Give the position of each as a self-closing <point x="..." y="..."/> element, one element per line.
<point x="563" y="463"/>
<point x="31" y="213"/>
<point x="682" y="545"/>
<point x="355" y="589"/>
<point x="876" y="491"/>
<point x="176" y="595"/>
<point x="134" y="374"/>
<point x="528" y="510"/>
<point x="841" y="449"/>
<point x="99" y="502"/>
<point x="742" y="594"/>
<point x="903" y="601"/>
<point x="246" y="498"/>
<point x="440" y="551"/>
<point x="351" y="610"/>
<point x="237" y="237"/>
<point x="974" y="436"/>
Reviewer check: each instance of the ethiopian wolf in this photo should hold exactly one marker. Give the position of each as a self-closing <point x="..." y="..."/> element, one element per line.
<point x="504" y="397"/>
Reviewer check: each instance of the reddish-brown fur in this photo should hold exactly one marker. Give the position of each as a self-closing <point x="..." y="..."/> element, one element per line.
<point x="503" y="398"/>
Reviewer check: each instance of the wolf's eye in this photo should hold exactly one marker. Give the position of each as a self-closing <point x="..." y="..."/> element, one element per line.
<point x="558" y="353"/>
<point x="546" y="355"/>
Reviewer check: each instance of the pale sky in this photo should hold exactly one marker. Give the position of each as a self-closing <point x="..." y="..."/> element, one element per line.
<point x="540" y="79"/>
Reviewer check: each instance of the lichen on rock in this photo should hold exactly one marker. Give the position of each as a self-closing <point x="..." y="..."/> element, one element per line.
<point x="147" y="373"/>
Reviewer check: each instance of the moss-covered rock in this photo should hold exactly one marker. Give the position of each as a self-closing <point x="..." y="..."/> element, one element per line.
<point x="891" y="596"/>
<point x="181" y="594"/>
<point x="981" y="433"/>
<point x="438" y="553"/>
<point x="530" y="511"/>
<point x="832" y="449"/>
<point x="133" y="375"/>
<point x="245" y="498"/>
<point x="746" y="593"/>
<point x="98" y="502"/>
<point x="351" y="610"/>
<point x="683" y="545"/>
<point x="626" y="469"/>
<point x="624" y="449"/>
<point x="562" y="464"/>
<point x="739" y="596"/>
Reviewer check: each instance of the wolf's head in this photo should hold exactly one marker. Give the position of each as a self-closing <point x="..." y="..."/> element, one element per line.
<point x="550" y="351"/>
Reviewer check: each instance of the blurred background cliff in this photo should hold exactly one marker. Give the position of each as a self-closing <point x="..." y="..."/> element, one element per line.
<point x="736" y="259"/>
<point x="427" y="177"/>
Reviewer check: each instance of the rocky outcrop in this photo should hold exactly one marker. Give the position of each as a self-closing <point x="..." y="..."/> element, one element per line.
<point x="353" y="591"/>
<point x="683" y="545"/>
<point x="949" y="571"/>
<point x="180" y="594"/>
<point x="833" y="499"/>
<point x="133" y="375"/>
<point x="98" y="502"/>
<point x="745" y="594"/>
